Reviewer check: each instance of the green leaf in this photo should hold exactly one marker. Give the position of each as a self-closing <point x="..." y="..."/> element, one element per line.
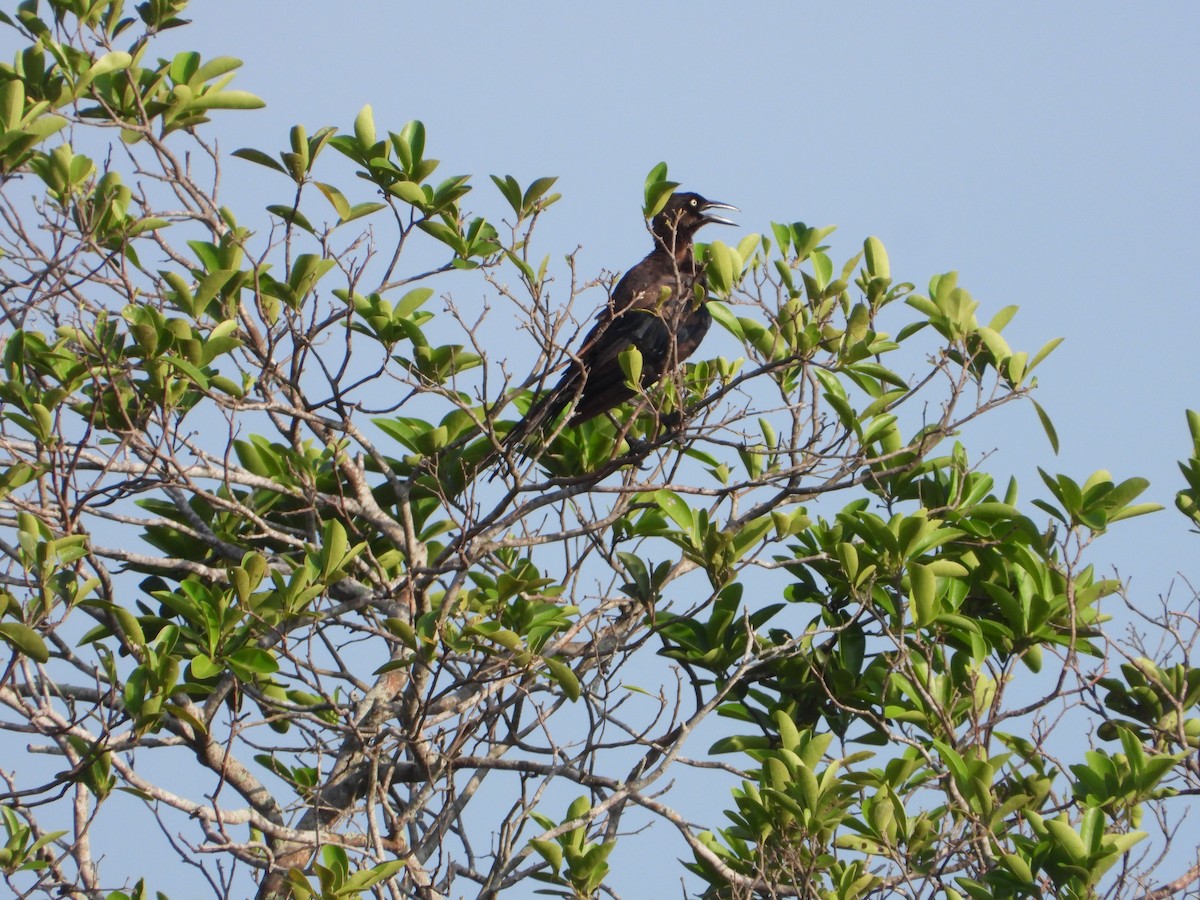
<point x="510" y="189"/>
<point x="1137" y="509"/>
<point x="1043" y="353"/>
<point x="23" y="638"/>
<point x="368" y="878"/>
<point x="724" y="268"/>
<point x="996" y="344"/>
<point x="726" y="319"/>
<point x="334" y="547"/>
<point x="551" y="851"/>
<point x="215" y="68"/>
<point x="188" y="369"/>
<point x="1002" y="318"/>
<point x="183" y="66"/>
<point x="412" y="301"/>
<point x="411" y="144"/>
<point x="336" y="199"/>
<point x="658" y="190"/>
<point x="877" y="258"/>
<point x="1047" y="425"/>
<point x="130" y="627"/>
<point x="534" y="192"/>
<point x="924" y="593"/>
<point x="674" y="506"/>
<point x="1068" y="839"/>
<point x="256" y="660"/>
<point x="630" y="360"/>
<point x="364" y="128"/>
<point x="227" y="100"/>
<point x="292" y="217"/>
<point x="204" y="667"/>
<point x="12" y="104"/>
<point x="565" y="676"/>
<point x="444" y="233"/>
<point x="410" y="192"/>
<point x="741" y="743"/>
<point x="358" y="210"/>
<point x="747" y="246"/>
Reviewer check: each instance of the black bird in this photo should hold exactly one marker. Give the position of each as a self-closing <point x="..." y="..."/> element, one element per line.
<point x="657" y="307"/>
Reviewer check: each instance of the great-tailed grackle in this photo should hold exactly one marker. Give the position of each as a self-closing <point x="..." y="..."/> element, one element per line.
<point x="657" y="307"/>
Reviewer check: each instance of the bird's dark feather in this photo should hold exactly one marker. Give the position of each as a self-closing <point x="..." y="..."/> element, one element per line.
<point x="658" y="307"/>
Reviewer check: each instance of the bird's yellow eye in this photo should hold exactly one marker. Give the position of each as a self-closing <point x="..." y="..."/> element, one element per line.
<point x="693" y="201"/>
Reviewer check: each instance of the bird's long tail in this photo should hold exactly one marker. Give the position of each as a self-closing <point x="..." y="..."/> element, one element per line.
<point x="544" y="410"/>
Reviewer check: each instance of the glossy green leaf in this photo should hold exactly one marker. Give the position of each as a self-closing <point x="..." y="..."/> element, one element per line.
<point x="364" y="127"/>
<point x="924" y="593"/>
<point x="675" y="507"/>
<point x="1047" y="425"/>
<point x="877" y="258"/>
<point x="25" y="640"/>
<point x="228" y="100"/>
<point x="565" y="676"/>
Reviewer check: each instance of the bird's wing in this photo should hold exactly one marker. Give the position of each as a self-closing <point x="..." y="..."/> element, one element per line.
<point x="642" y="286"/>
<point x="650" y="308"/>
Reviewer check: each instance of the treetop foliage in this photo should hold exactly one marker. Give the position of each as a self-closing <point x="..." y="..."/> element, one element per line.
<point x="275" y="597"/>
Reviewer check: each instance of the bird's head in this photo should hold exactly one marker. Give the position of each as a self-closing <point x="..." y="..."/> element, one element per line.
<point x="684" y="215"/>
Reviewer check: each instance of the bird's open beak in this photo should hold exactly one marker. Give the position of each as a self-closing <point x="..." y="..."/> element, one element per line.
<point x="718" y="220"/>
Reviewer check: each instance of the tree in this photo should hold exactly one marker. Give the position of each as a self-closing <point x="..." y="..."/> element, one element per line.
<point x="267" y="593"/>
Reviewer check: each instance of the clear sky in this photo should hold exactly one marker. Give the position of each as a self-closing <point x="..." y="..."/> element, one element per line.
<point x="1047" y="152"/>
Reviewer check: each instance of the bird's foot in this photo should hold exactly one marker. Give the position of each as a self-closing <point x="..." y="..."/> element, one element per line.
<point x="638" y="448"/>
<point x="672" y="421"/>
<point x="636" y="451"/>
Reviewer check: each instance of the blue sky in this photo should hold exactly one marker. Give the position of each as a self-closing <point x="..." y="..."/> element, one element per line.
<point x="1046" y="152"/>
